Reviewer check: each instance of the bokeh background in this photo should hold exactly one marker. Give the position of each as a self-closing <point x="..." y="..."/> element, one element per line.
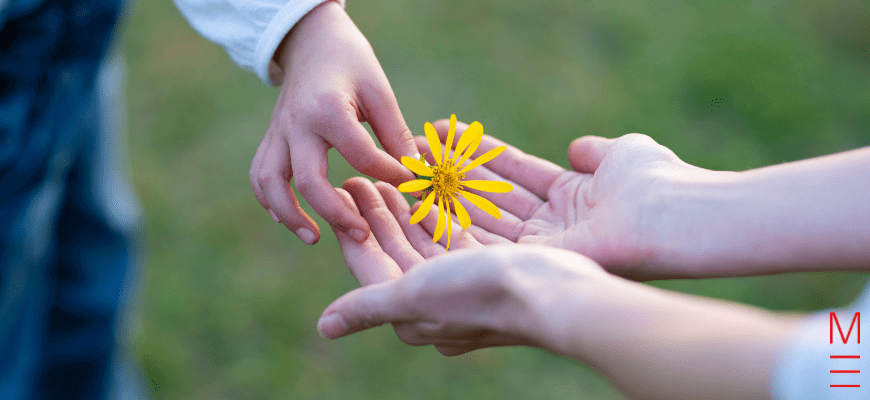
<point x="230" y="299"/>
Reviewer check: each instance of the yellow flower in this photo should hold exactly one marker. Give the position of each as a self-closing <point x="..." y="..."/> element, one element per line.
<point x="448" y="178"/>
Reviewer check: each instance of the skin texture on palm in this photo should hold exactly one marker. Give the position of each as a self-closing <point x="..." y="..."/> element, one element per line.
<point x="331" y="82"/>
<point x="596" y="210"/>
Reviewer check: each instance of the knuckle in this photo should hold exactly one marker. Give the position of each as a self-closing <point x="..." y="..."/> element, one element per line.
<point x="306" y="184"/>
<point x="378" y="90"/>
<point x="254" y="179"/>
<point x="637" y="139"/>
<point x="383" y="188"/>
<point x="273" y="130"/>
<point x="324" y="105"/>
<point x="375" y="209"/>
<point x="403" y="139"/>
<point x="368" y="315"/>
<point x="265" y="179"/>
<point x="326" y="98"/>
<point x="366" y="163"/>
<point x="410" y="292"/>
<point x="405" y="136"/>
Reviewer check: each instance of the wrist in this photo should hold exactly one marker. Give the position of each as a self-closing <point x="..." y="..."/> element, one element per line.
<point x="321" y="17"/>
<point x="553" y="289"/>
<point x="696" y="224"/>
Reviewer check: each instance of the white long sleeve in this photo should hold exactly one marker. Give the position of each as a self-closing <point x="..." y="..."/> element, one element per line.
<point x="249" y="30"/>
<point x="811" y="367"/>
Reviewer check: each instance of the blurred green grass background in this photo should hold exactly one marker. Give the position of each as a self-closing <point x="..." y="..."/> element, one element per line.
<point x="230" y="299"/>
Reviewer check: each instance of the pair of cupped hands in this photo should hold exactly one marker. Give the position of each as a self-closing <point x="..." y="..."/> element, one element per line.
<point x="557" y="226"/>
<point x="502" y="276"/>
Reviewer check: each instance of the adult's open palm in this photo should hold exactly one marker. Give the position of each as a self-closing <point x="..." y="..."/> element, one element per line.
<point x="600" y="209"/>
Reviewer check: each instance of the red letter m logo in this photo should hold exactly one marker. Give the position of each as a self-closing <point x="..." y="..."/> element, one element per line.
<point x="834" y="320"/>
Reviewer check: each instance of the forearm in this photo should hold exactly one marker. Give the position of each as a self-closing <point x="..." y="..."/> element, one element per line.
<point x="660" y="345"/>
<point x="805" y="215"/>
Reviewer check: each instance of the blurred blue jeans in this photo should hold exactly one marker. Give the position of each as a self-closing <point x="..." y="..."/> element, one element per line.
<point x="70" y="228"/>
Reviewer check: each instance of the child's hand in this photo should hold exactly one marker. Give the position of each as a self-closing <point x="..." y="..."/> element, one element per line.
<point x="331" y="82"/>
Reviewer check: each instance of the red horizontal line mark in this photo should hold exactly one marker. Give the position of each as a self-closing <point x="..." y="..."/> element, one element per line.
<point x="845" y="356"/>
<point x="845" y="371"/>
<point x="845" y="385"/>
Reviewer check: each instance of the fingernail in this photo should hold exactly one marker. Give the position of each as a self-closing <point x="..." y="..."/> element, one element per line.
<point x="274" y="217"/>
<point x="357" y="234"/>
<point x="306" y="235"/>
<point x="331" y="326"/>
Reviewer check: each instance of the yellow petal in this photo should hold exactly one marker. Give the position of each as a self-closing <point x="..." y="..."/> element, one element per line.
<point x="424" y="209"/>
<point x="449" y="223"/>
<point x="434" y="143"/>
<point x="416" y="166"/>
<point x="461" y="214"/>
<point x="482" y="203"/>
<point x="489" y="186"/>
<point x="415" y="185"/>
<point x="489" y="155"/>
<point x="472" y="135"/>
<point x="439" y="227"/>
<point x="449" y="143"/>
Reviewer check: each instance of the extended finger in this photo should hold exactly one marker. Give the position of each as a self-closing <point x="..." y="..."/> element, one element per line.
<point x="383" y="223"/>
<point x="355" y="144"/>
<point x="366" y="261"/>
<point x="387" y="122"/>
<point x="528" y="171"/>
<point x="253" y="176"/>
<point x="274" y="179"/>
<point x="311" y="166"/>
<point x="419" y="239"/>
<point x="363" y="308"/>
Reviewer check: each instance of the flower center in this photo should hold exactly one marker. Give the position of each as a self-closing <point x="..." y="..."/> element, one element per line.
<point x="446" y="180"/>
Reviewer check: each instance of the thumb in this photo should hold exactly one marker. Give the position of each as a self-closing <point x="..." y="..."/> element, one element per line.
<point x="361" y="309"/>
<point x="585" y="153"/>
